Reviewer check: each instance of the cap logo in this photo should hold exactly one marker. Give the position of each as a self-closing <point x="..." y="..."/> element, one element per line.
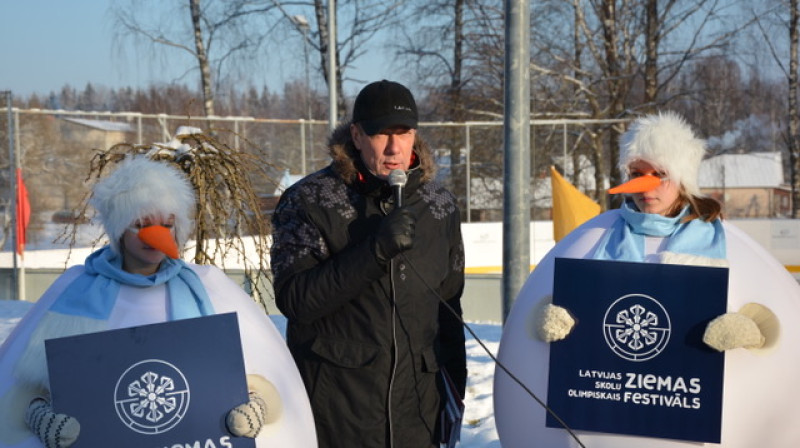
<point x="406" y="108"/>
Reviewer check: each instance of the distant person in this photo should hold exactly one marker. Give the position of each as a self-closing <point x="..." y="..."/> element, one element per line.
<point x="362" y="280"/>
<point x="146" y="209"/>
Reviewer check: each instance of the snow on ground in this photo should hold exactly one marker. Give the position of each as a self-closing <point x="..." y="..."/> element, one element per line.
<point x="478" y="428"/>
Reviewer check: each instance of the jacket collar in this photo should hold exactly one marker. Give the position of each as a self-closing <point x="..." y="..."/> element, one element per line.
<point x="368" y="184"/>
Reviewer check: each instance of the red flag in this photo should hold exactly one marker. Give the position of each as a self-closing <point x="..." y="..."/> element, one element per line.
<point x="23" y="212"/>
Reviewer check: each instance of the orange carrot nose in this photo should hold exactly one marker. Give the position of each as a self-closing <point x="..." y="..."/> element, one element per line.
<point x="159" y="237"/>
<point x="639" y="184"/>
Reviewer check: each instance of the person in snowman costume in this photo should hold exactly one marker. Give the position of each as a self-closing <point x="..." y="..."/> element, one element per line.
<point x="146" y="210"/>
<point x="665" y="219"/>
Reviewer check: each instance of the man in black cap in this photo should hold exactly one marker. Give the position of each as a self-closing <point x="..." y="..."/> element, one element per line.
<point x="370" y="278"/>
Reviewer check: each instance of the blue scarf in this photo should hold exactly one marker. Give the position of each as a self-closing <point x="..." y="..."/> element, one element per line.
<point x="624" y="240"/>
<point x="94" y="293"/>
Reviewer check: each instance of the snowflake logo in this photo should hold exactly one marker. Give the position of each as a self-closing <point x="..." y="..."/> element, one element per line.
<point x="636" y="332"/>
<point x="636" y="327"/>
<point x="151" y="396"/>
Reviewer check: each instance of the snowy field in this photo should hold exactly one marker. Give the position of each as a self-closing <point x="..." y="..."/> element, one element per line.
<point x="479" y="429"/>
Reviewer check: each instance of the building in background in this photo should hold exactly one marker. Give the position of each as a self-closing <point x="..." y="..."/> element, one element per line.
<point x="748" y="185"/>
<point x="101" y="134"/>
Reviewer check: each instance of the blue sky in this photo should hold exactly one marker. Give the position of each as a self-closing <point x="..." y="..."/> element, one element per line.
<point x="49" y="43"/>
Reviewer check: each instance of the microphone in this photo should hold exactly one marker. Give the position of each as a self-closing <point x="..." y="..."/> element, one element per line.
<point x="397" y="180"/>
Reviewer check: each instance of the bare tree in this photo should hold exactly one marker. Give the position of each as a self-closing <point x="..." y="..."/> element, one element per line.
<point x="776" y="14"/>
<point x="622" y="58"/>
<point x="713" y="94"/>
<point x="324" y="38"/>
<point x="357" y="22"/>
<point x="218" y="36"/>
<point x="606" y="77"/>
<point x="679" y="32"/>
<point x="652" y="39"/>
<point x="793" y="139"/>
<point x="436" y="47"/>
<point x="202" y="57"/>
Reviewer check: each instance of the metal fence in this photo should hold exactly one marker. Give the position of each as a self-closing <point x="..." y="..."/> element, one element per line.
<point x="54" y="147"/>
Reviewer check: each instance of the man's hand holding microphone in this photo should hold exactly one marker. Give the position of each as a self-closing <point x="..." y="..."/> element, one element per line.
<point x="396" y="231"/>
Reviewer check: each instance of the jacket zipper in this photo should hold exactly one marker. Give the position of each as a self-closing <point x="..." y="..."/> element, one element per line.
<point x="394" y="351"/>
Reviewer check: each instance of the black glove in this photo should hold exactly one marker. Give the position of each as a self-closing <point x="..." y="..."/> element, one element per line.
<point x="395" y="234"/>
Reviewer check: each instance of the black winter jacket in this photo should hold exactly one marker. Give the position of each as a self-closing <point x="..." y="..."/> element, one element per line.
<point x="368" y="338"/>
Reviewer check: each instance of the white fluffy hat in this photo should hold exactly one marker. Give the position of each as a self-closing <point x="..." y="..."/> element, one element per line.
<point x="139" y="188"/>
<point x="667" y="142"/>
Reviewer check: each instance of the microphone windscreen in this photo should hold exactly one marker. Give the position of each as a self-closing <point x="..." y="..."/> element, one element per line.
<point x="397" y="178"/>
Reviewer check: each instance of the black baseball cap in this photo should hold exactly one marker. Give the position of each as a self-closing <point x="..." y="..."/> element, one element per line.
<point x="384" y="104"/>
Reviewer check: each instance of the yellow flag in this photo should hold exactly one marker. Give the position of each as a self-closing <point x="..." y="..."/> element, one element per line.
<point x="571" y="208"/>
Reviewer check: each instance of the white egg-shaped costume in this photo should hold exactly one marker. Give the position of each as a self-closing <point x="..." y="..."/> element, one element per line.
<point x="665" y="220"/>
<point x="135" y="281"/>
<point x="761" y="400"/>
<point x="265" y="353"/>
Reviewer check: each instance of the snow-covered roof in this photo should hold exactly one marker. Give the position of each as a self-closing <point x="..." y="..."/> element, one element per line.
<point x="103" y="125"/>
<point x="753" y="170"/>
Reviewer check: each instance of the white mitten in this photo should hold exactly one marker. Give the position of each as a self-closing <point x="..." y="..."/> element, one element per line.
<point x="263" y="407"/>
<point x="54" y="430"/>
<point x="247" y="419"/>
<point x="733" y="330"/>
<point x="553" y="323"/>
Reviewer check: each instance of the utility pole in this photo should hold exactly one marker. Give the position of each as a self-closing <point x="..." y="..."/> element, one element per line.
<point x="517" y="162"/>
<point x="332" y="109"/>
<point x="12" y="166"/>
<point x="301" y="22"/>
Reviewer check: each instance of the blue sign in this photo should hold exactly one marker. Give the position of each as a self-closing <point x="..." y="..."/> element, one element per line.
<point x="161" y="385"/>
<point x="635" y="362"/>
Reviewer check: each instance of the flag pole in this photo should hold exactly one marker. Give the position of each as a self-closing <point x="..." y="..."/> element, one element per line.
<point x="12" y="166"/>
<point x="22" y="213"/>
